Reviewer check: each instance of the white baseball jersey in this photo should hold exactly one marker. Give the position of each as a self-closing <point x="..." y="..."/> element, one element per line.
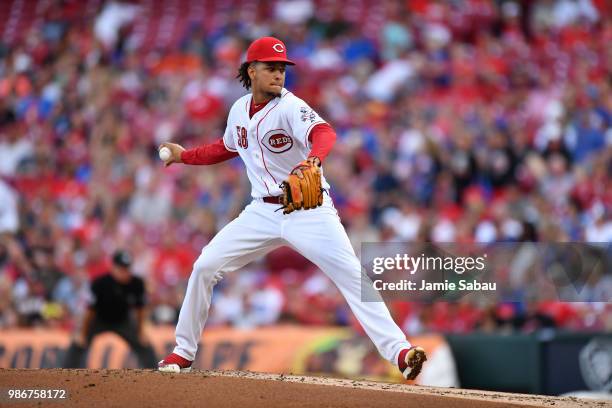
<point x="273" y="141"/>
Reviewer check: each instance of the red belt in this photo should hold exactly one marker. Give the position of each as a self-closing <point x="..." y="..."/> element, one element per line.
<point x="273" y="200"/>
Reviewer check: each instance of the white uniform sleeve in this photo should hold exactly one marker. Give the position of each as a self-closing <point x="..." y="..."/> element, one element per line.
<point x="228" y="137"/>
<point x="302" y="118"/>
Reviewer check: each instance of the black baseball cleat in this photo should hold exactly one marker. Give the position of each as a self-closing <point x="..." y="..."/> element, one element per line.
<point x="410" y="361"/>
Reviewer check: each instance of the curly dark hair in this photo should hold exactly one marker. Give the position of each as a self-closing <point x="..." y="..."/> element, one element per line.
<point x="243" y="75"/>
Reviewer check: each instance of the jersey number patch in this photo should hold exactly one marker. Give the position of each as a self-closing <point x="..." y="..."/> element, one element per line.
<point x="242" y="137"/>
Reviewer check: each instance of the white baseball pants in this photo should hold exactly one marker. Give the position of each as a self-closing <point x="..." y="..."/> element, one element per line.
<point x="318" y="235"/>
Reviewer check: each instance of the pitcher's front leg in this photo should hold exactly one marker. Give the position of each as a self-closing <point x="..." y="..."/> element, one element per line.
<point x="319" y="236"/>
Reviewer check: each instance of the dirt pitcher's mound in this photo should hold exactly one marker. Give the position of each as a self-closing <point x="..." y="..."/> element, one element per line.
<point x="147" y="388"/>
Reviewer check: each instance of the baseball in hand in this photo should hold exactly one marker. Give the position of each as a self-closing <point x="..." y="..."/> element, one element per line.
<point x="165" y="153"/>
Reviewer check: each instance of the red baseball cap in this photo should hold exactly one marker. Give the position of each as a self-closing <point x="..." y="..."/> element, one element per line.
<point x="268" y="49"/>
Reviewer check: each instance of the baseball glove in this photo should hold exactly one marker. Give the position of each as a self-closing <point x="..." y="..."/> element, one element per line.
<point x="302" y="189"/>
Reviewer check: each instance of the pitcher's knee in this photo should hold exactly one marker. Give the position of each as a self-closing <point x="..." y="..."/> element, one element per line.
<point x="207" y="269"/>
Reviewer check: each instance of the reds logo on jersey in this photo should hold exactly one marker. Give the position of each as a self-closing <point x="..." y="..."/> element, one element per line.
<point x="277" y="141"/>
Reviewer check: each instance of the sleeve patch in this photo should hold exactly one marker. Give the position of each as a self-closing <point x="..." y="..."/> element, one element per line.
<point x="307" y="114"/>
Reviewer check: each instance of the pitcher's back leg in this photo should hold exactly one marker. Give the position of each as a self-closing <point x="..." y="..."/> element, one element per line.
<point x="250" y="236"/>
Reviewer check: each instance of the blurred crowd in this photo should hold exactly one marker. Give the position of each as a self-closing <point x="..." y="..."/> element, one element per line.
<point x="457" y="121"/>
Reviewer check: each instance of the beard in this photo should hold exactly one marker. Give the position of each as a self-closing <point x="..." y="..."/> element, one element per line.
<point x="273" y="95"/>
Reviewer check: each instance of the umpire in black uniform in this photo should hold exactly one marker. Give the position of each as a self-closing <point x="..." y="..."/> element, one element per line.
<point x="114" y="296"/>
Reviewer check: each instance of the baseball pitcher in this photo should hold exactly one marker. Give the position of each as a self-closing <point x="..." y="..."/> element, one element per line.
<point x="283" y="143"/>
